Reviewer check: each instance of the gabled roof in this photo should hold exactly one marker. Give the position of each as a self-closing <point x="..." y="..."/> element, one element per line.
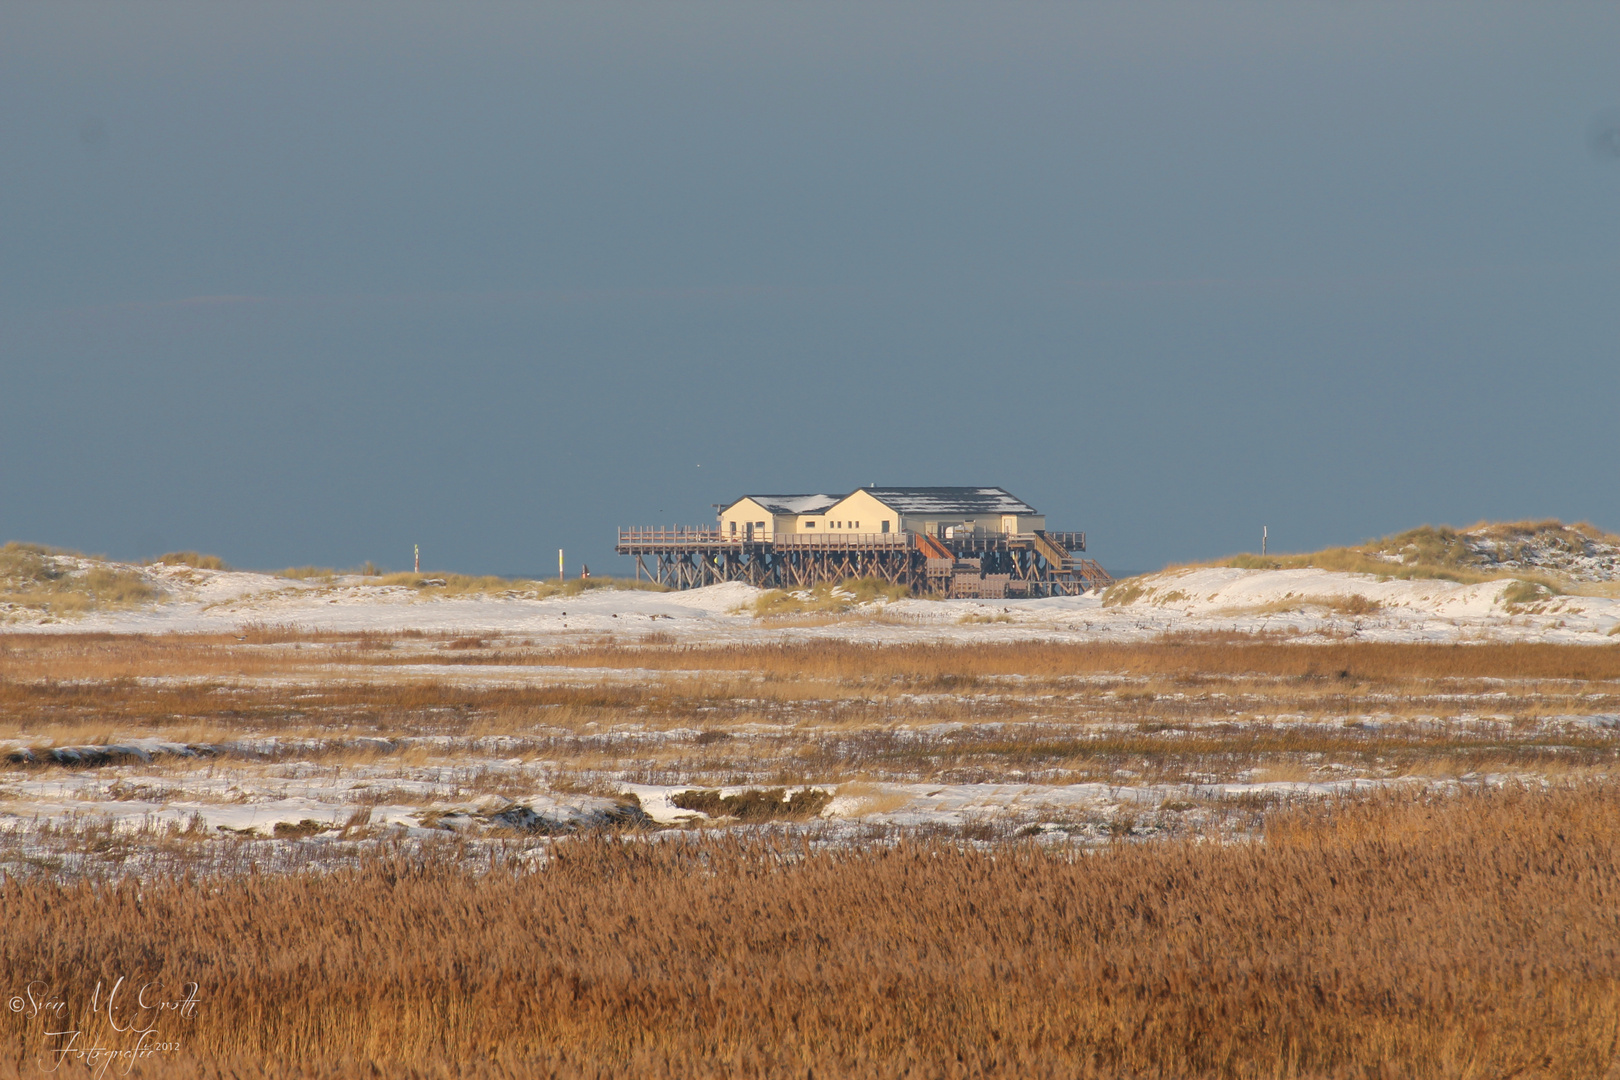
<point x="950" y="500"/>
<point x="792" y="504"/>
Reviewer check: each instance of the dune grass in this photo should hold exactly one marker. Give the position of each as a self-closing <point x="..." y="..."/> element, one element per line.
<point x="1426" y="552"/>
<point x="309" y="573"/>
<point x="827" y="599"/>
<point x="525" y="588"/>
<point x="431" y="583"/>
<point x="55" y="582"/>
<point x="1432" y="552"/>
<point x="195" y="560"/>
<point x="1549" y="531"/>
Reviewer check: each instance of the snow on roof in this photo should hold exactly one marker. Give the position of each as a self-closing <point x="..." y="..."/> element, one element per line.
<point x="950" y="500"/>
<point x="792" y="504"/>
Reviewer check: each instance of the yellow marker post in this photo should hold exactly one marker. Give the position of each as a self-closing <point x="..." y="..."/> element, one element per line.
<point x="559" y="564"/>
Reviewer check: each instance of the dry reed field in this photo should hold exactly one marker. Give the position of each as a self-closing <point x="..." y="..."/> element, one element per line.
<point x="433" y="855"/>
<point x="1470" y="935"/>
<point x="124" y="748"/>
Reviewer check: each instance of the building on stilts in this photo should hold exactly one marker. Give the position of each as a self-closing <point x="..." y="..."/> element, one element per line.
<point x="946" y="541"/>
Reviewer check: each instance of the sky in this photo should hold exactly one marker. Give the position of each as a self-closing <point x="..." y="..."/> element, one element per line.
<point x="312" y="283"/>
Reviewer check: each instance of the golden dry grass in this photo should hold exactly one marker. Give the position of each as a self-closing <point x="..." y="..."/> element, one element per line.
<point x="41" y="579"/>
<point x="826" y="598"/>
<point x="1431" y="551"/>
<point x="1186" y="655"/>
<point x="828" y="713"/>
<point x="445" y="584"/>
<point x="105" y="656"/>
<point x="195" y="560"/>
<point x="1471" y="936"/>
<point x="1467" y="936"/>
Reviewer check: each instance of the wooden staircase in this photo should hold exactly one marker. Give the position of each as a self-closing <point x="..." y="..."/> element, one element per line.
<point x="1055" y="554"/>
<point x="1062" y="561"/>
<point x="1093" y="575"/>
<point x="932" y="548"/>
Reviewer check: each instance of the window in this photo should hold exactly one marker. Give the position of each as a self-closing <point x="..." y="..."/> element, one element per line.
<point x="733" y="528"/>
<point x="760" y="525"/>
<point x="885" y="524"/>
<point x="809" y="524"/>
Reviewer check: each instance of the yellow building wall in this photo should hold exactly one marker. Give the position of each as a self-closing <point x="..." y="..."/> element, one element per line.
<point x="736" y="518"/>
<point x="861" y="513"/>
<point x="858" y="513"/>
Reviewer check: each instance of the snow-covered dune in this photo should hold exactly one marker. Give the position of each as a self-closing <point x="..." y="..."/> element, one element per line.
<point x="1226" y="590"/>
<point x="1327" y="600"/>
<point x="217" y="601"/>
<point x="1308" y="603"/>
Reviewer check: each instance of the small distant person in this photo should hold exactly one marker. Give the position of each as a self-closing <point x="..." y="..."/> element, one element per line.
<point x="584" y="571"/>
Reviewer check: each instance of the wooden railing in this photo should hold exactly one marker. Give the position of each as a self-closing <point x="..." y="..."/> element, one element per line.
<point x="710" y="537"/>
<point x="678" y="538"/>
<point x="832" y="540"/>
<point x="1051" y="551"/>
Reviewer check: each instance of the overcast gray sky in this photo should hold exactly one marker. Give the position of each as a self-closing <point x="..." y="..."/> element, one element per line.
<point x="312" y="283"/>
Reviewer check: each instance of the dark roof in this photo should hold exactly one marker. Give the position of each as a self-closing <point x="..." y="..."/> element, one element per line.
<point x="950" y="500"/>
<point x="792" y="504"/>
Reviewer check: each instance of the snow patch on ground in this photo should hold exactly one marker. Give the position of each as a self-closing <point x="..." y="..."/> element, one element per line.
<point x="1293" y="602"/>
<point x="1361" y="605"/>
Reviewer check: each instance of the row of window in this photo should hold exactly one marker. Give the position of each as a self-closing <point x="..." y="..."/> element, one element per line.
<point x="759" y="526"/>
<point x="849" y="524"/>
